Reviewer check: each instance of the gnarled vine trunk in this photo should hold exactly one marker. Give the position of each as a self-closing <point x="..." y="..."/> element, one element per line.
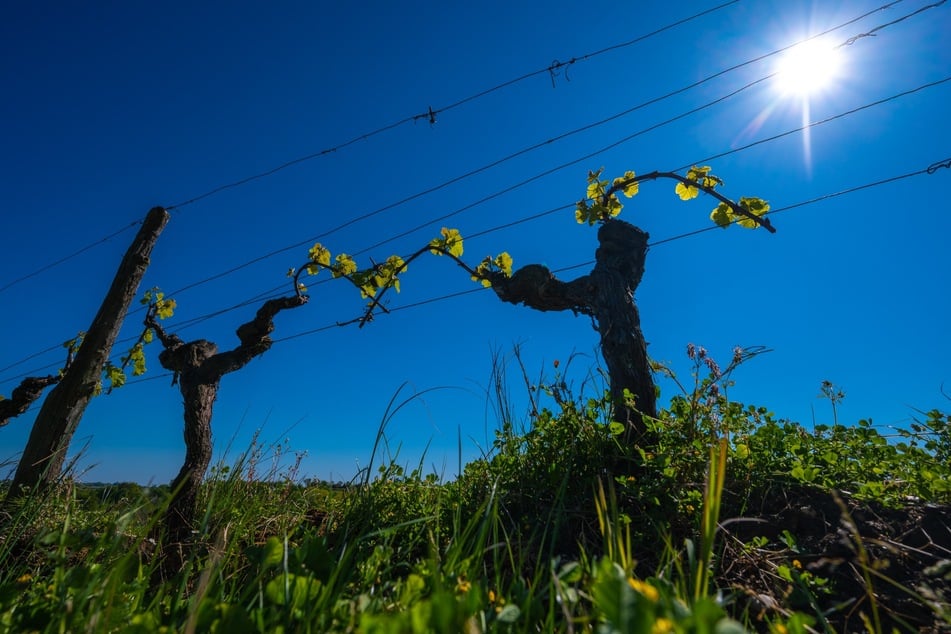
<point x="199" y="368"/>
<point x="607" y="296"/>
<point x="28" y="392"/>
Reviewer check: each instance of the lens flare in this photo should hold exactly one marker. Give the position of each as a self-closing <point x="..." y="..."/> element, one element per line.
<point x="807" y="69"/>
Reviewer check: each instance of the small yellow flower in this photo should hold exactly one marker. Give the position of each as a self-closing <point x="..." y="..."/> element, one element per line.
<point x="662" y="626"/>
<point x="779" y="628"/>
<point x="25" y="579"/>
<point x="797" y="564"/>
<point x="491" y="596"/>
<point x="646" y="590"/>
<point x="463" y="585"/>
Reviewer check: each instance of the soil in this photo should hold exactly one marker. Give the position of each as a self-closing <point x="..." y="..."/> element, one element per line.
<point x="856" y="561"/>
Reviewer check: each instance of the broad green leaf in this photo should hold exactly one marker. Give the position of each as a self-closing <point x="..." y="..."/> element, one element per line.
<point x="454" y="242"/>
<point x="115" y="375"/>
<point x="582" y="213"/>
<point x="504" y="262"/>
<point x="508" y="614"/>
<point x="631" y="189"/>
<point x="137" y="356"/>
<point x="165" y="308"/>
<point x="451" y="242"/>
<point x="594" y="190"/>
<point x="722" y="215"/>
<point x="294" y="591"/>
<point x="319" y="255"/>
<point x="686" y="192"/>
<point x="756" y="206"/>
<point x="395" y="262"/>
<point x="272" y="553"/>
<point x="344" y="265"/>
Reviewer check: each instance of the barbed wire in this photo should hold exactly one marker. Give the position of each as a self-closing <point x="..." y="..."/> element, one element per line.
<point x="515" y="186"/>
<point x="491" y="197"/>
<point x="524" y="182"/>
<point x="572" y="163"/>
<point x="630" y="137"/>
<point x="431" y="114"/>
<point x="62" y="260"/>
<point x="931" y="169"/>
<point x="871" y="33"/>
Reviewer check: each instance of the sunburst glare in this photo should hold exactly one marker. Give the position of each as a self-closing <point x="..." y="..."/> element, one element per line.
<point x="808" y="69"/>
<point x="805" y="73"/>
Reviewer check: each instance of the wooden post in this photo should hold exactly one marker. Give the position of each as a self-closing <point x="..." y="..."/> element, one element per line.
<point x="53" y="429"/>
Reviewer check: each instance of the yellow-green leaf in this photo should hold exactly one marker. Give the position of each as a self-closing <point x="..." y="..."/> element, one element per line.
<point x="582" y="213"/>
<point x="115" y="375"/>
<point x="504" y="262"/>
<point x="630" y="190"/>
<point x="137" y="356"/>
<point x="344" y="265"/>
<point x="686" y="192"/>
<point x="721" y="215"/>
<point x="165" y="308"/>
<point x="594" y="191"/>
<point x="319" y="254"/>
<point x="453" y="241"/>
<point x="756" y="206"/>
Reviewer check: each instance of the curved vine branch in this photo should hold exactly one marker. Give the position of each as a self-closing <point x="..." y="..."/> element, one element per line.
<point x="375" y="302"/>
<point x="388" y="275"/>
<point x="606" y="294"/>
<point x="24" y="395"/>
<point x="31" y="388"/>
<point x="709" y="190"/>
<point x="199" y="368"/>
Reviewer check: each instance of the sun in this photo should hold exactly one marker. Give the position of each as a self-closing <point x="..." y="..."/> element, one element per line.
<point x="804" y="74"/>
<point x="808" y="69"/>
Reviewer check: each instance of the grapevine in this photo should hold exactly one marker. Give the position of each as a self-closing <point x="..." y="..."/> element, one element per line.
<point x="375" y="280"/>
<point x="158" y="306"/>
<point x="602" y="203"/>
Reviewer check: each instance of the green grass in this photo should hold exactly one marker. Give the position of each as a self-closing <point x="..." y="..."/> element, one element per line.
<point x="538" y="536"/>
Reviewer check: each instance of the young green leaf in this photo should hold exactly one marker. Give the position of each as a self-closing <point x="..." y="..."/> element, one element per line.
<point x="686" y="192"/>
<point x="165" y="308"/>
<point x="319" y="254"/>
<point x="344" y="266"/>
<point x="451" y="242"/>
<point x="722" y="215"/>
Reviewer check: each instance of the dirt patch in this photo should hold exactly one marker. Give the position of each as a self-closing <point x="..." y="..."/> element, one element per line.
<point x="853" y="562"/>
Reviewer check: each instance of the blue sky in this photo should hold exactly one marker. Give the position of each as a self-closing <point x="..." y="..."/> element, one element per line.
<point x="112" y="108"/>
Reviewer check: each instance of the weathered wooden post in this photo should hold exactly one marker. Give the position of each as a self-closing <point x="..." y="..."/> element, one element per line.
<point x="53" y="429"/>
